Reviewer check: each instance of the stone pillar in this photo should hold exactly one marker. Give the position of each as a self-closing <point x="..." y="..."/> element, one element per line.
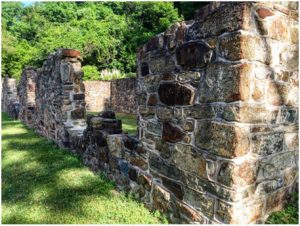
<point x="60" y="99"/>
<point x="26" y="93"/>
<point x="10" y="100"/>
<point x="218" y="112"/>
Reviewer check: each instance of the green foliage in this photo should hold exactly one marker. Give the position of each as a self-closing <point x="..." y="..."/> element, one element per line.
<point x="90" y="73"/>
<point x="107" y="33"/>
<point x="289" y="215"/>
<point x="43" y="184"/>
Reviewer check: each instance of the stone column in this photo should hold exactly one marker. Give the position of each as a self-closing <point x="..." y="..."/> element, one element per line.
<point x="218" y="112"/>
<point x="60" y="99"/>
<point x="26" y="93"/>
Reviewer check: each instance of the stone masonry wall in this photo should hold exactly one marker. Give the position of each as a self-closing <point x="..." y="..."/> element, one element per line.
<point x="117" y="95"/>
<point x="218" y="112"/>
<point x="9" y="99"/>
<point x="97" y="95"/>
<point x="123" y="95"/>
<point x="26" y="93"/>
<point x="60" y="99"/>
<point x="218" y="115"/>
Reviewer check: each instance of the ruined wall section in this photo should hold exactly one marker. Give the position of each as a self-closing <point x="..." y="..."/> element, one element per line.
<point x="9" y="99"/>
<point x="26" y="93"/>
<point x="217" y="109"/>
<point x="60" y="103"/>
<point x="97" y="95"/>
<point x="118" y="95"/>
<point x="218" y="112"/>
<point x="123" y="95"/>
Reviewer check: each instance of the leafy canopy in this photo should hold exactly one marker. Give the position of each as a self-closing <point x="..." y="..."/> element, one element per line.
<point x="107" y="33"/>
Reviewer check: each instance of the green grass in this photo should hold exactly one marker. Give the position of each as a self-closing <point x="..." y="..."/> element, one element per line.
<point x="43" y="184"/>
<point x="129" y="121"/>
<point x="289" y="215"/>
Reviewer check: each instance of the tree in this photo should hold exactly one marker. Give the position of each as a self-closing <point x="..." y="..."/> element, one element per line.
<point x="107" y="33"/>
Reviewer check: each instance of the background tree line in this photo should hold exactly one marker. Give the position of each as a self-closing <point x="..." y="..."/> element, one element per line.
<point x="107" y="33"/>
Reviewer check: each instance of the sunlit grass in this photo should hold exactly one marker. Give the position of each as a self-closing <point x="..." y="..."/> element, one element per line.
<point x="43" y="184"/>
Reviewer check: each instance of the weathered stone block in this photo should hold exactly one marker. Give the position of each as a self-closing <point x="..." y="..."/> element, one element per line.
<point x="157" y="164"/>
<point x="280" y="94"/>
<point x="275" y="201"/>
<point x="164" y="113"/>
<point x="200" y="111"/>
<point x="200" y="201"/>
<point x="152" y="100"/>
<point x="231" y="214"/>
<point x="212" y="21"/>
<point x="144" y="69"/>
<point x="188" y="76"/>
<point x="289" y="56"/>
<point x="188" y="159"/>
<point x="241" y="46"/>
<point x="146" y="112"/>
<point x="78" y="96"/>
<point x="225" y="83"/>
<point x="78" y="113"/>
<point x="115" y="145"/>
<point x="247" y="113"/>
<point x="174" y="187"/>
<point x="70" y="53"/>
<point x="139" y="161"/>
<point x="194" y="55"/>
<point x="267" y="144"/>
<point x="154" y="127"/>
<point x="237" y="175"/>
<point x="66" y="72"/>
<point x="272" y="170"/>
<point x="172" y="133"/>
<point x="176" y="94"/>
<point x="264" y="12"/>
<point x="226" y="140"/>
<point x="160" y="64"/>
<point x="161" y="198"/>
<point x="190" y="213"/>
<point x="291" y="141"/>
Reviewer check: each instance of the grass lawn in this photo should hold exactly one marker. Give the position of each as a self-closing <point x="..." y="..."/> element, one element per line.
<point x="289" y="215"/>
<point x="129" y="121"/>
<point x="43" y="184"/>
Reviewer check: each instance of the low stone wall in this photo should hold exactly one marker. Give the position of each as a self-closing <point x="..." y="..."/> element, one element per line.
<point x="10" y="99"/>
<point x="26" y="93"/>
<point x="117" y="95"/>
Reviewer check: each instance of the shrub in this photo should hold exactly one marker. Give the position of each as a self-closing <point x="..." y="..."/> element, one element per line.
<point x="90" y="73"/>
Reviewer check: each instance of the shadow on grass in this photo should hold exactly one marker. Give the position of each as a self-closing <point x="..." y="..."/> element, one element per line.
<point x="41" y="166"/>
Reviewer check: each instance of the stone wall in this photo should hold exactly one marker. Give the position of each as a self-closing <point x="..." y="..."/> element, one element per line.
<point x="218" y="115"/>
<point x="9" y="99"/>
<point x="97" y="95"/>
<point x="117" y="95"/>
<point x="26" y="93"/>
<point x="123" y="95"/>
<point x="60" y="99"/>
<point x="218" y="112"/>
